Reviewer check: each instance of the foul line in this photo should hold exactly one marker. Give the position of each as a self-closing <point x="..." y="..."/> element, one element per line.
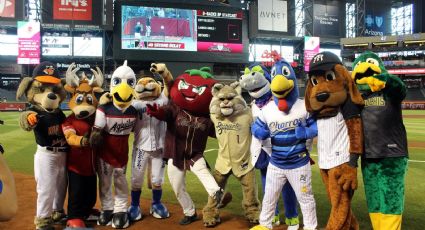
<point x="210" y="150"/>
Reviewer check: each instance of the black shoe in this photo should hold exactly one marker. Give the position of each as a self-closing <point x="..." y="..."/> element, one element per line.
<point x="105" y="218"/>
<point x="120" y="220"/>
<point x="188" y="219"/>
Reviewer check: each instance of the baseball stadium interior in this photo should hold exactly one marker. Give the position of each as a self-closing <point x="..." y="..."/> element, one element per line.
<point x="164" y="41"/>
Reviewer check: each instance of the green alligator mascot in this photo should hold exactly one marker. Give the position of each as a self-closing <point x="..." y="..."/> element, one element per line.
<point x="385" y="157"/>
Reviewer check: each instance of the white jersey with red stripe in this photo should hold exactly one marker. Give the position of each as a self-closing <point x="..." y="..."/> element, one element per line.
<point x="117" y="125"/>
<point x="332" y="142"/>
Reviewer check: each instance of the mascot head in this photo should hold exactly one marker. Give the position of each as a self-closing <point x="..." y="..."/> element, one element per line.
<point x="330" y="86"/>
<point x="147" y="89"/>
<point x="83" y="102"/>
<point x="45" y="89"/>
<point x="284" y="85"/>
<point x="191" y="91"/>
<point x="122" y="86"/>
<point x="256" y="80"/>
<point x="367" y="65"/>
<point x="227" y="100"/>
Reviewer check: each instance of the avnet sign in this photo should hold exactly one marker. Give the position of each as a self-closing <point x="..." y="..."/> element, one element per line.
<point x="273" y="15"/>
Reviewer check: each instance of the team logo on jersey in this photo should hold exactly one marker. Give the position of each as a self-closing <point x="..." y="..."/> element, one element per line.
<point x="119" y="127"/>
<point x="276" y="127"/>
<point x="374" y="101"/>
<point x="183" y="121"/>
<point x="227" y="127"/>
<point x="53" y="130"/>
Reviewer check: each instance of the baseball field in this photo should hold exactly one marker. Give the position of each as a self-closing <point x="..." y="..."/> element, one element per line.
<point x="20" y="146"/>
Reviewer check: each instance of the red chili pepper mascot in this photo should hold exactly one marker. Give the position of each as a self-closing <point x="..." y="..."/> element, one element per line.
<point x="188" y="128"/>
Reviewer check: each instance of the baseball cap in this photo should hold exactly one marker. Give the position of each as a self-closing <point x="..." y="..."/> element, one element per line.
<point x="324" y="61"/>
<point x="46" y="72"/>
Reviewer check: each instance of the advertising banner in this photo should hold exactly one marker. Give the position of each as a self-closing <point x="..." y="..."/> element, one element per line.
<point x="311" y="48"/>
<point x="377" y="19"/>
<point x="7" y="8"/>
<point x="6" y="106"/>
<point x="273" y="15"/>
<point x="80" y="10"/>
<point x="326" y="21"/>
<point x="28" y="42"/>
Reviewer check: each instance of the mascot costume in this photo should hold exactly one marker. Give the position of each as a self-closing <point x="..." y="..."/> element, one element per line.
<point x="188" y="128"/>
<point x="8" y="198"/>
<point x="148" y="148"/>
<point x="45" y="92"/>
<point x="113" y="123"/>
<point x="385" y="158"/>
<point x="232" y="120"/>
<point x="81" y="160"/>
<point x="256" y="80"/>
<point x="288" y="124"/>
<point x="333" y="98"/>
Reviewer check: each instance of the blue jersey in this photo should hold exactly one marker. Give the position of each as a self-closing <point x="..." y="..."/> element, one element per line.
<point x="288" y="151"/>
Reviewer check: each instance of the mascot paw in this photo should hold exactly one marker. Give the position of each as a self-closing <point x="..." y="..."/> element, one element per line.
<point x="210" y="222"/>
<point x="300" y="132"/>
<point x="348" y="177"/>
<point x="159" y="68"/>
<point x="32" y="119"/>
<point x="253" y="217"/>
<point x="85" y="141"/>
<point x="155" y="111"/>
<point x="105" y="98"/>
<point x="96" y="138"/>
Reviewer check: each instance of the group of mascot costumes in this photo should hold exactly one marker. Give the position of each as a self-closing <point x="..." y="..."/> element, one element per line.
<point x="354" y="115"/>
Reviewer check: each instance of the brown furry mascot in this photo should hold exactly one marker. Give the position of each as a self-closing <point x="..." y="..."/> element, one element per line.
<point x="45" y="92"/>
<point x="333" y="97"/>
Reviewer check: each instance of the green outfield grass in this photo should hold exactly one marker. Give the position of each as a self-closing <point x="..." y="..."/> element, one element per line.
<point x="20" y="147"/>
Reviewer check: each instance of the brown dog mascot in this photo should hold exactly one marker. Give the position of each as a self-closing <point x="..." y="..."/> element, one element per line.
<point x="44" y="91"/>
<point x="331" y="95"/>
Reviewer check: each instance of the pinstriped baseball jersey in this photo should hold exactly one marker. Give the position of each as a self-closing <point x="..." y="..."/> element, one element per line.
<point x="287" y="151"/>
<point x="332" y="142"/>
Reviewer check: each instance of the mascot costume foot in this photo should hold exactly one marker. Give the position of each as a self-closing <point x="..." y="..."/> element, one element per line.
<point x="384" y="162"/>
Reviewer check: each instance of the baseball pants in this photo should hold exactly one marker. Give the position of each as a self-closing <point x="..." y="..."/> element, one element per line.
<point x="82" y="194"/>
<point x="178" y="182"/>
<point x="107" y="173"/>
<point x="51" y="179"/>
<point x="300" y="179"/>
<point x="140" y="159"/>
